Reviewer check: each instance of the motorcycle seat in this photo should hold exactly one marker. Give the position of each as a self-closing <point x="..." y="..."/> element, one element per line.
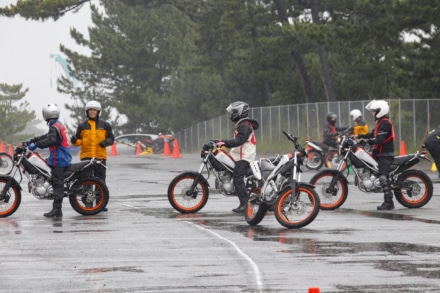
<point x="400" y="160"/>
<point x="77" y="166"/>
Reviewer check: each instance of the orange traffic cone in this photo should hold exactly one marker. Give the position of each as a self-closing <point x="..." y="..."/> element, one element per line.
<point x="176" y="152"/>
<point x="166" y="148"/>
<point x="10" y="151"/>
<point x="2" y="147"/>
<point x="138" y="148"/>
<point x="114" y="151"/>
<point x="402" y="148"/>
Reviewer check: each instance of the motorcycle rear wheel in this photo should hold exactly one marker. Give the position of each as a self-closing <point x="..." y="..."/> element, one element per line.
<point x="332" y="160"/>
<point x="330" y="201"/>
<point x="255" y="212"/>
<point x="296" y="209"/>
<point x="314" y="160"/>
<point x="12" y="200"/>
<point x="89" y="196"/>
<point x="178" y="195"/>
<point x="414" y="189"/>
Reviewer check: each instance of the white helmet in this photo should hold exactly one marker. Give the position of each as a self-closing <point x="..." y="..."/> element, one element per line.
<point x="368" y="106"/>
<point x="355" y="114"/>
<point x="51" y="111"/>
<point x="93" y="105"/>
<point x="381" y="108"/>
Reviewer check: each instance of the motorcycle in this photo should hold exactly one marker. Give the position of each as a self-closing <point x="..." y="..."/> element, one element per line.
<point x="319" y="154"/>
<point x="277" y="182"/>
<point x="189" y="191"/>
<point x="87" y="195"/>
<point x="412" y="188"/>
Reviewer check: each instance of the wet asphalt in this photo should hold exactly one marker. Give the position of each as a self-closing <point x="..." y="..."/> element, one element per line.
<point x="142" y="245"/>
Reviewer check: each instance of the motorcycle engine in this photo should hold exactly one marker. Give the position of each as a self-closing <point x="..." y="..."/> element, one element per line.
<point x="39" y="187"/>
<point x="368" y="181"/>
<point x="224" y="183"/>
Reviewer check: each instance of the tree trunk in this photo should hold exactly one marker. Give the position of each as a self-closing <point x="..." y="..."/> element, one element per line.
<point x="305" y="79"/>
<point x="325" y="72"/>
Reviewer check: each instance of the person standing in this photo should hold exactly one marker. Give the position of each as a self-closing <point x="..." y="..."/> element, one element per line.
<point x="360" y="127"/>
<point x="432" y="144"/>
<point x="382" y="138"/>
<point x="93" y="136"/>
<point x="59" y="158"/>
<point x="243" y="148"/>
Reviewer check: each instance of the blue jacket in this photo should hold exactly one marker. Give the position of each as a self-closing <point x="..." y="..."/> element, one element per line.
<point x="57" y="142"/>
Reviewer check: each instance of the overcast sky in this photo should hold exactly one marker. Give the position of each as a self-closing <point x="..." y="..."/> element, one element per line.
<point x="25" y="50"/>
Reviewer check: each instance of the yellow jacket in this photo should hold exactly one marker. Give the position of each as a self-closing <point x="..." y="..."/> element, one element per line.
<point x="360" y="128"/>
<point x="93" y="136"/>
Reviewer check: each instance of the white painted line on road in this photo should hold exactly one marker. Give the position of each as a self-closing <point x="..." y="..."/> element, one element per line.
<point x="244" y="255"/>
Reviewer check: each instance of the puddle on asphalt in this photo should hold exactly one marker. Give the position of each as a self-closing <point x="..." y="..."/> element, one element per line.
<point x="389" y="216"/>
<point x="112" y="269"/>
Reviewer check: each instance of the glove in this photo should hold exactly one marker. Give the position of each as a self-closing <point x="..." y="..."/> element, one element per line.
<point x="29" y="141"/>
<point x="103" y="144"/>
<point x="219" y="144"/>
<point x="32" y="146"/>
<point x="73" y="139"/>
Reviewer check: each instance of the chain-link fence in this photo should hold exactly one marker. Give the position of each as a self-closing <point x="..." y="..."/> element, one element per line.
<point x="412" y="120"/>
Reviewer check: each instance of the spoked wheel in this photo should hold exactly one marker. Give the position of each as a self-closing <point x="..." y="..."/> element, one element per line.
<point x="88" y="196"/>
<point x="330" y="199"/>
<point x="6" y="163"/>
<point x="12" y="199"/>
<point x="332" y="160"/>
<point x="296" y="209"/>
<point x="314" y="160"/>
<point x="255" y="212"/>
<point x="182" y="198"/>
<point x="413" y="189"/>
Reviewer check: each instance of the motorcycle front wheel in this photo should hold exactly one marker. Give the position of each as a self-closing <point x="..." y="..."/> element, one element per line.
<point x="314" y="160"/>
<point x="330" y="199"/>
<point x="255" y="212"/>
<point x="413" y="189"/>
<point x="12" y="199"/>
<point x="88" y="196"/>
<point x="6" y="163"/>
<point x="182" y="199"/>
<point x="295" y="209"/>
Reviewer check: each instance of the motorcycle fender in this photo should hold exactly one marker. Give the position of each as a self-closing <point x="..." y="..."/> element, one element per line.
<point x="293" y="186"/>
<point x="14" y="182"/>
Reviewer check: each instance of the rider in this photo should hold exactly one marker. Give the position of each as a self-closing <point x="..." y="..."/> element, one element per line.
<point x="360" y="127"/>
<point x="60" y="157"/>
<point x="243" y="148"/>
<point x="382" y="138"/>
<point x="329" y="131"/>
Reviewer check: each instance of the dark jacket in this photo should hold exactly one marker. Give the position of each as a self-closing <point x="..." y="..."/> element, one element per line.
<point x="433" y="139"/>
<point x="329" y="133"/>
<point x="57" y="142"/>
<point x="382" y="137"/>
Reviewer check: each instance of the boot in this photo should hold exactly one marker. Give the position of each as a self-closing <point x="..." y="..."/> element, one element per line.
<point x="387" y="194"/>
<point x="240" y="208"/>
<point x="56" y="211"/>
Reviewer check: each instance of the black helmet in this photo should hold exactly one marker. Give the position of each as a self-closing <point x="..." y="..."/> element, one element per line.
<point x="331" y="118"/>
<point x="238" y="110"/>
